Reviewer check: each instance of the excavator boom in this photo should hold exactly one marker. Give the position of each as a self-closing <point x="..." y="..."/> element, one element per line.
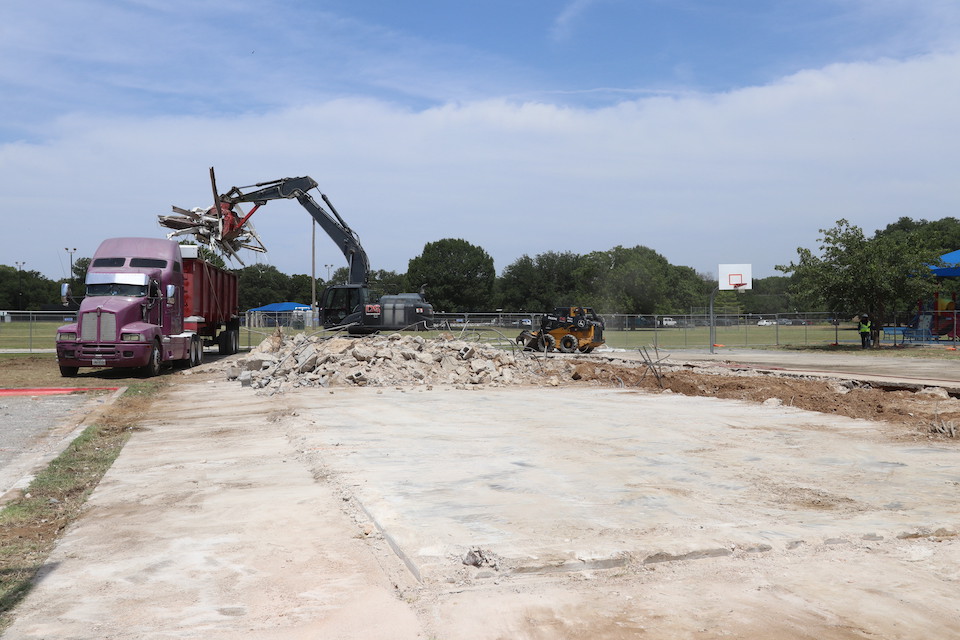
<point x="330" y="221"/>
<point x="226" y="227"/>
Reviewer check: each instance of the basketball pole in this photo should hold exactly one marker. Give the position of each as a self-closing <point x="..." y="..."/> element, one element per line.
<point x="740" y="288"/>
<point x="713" y="320"/>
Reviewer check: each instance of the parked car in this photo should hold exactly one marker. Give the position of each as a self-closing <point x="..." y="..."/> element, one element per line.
<point x="668" y="322"/>
<point x="766" y="323"/>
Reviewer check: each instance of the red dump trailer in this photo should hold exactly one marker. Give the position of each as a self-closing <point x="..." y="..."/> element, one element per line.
<point x="210" y="302"/>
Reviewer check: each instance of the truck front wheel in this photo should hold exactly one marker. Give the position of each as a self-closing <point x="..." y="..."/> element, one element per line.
<point x="196" y="352"/>
<point x="69" y="372"/>
<point x="153" y="365"/>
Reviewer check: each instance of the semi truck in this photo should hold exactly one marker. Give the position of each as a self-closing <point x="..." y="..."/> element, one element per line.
<point x="149" y="302"/>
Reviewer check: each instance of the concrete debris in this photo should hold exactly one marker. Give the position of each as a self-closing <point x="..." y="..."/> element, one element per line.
<point x="280" y="363"/>
<point x="477" y="557"/>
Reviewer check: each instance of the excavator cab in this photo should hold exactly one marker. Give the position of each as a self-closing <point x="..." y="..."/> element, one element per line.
<point x="341" y="301"/>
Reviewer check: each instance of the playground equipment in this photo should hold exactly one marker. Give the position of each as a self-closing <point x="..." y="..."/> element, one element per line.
<point x="937" y="322"/>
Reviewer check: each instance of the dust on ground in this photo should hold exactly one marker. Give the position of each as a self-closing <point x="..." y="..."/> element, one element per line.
<point x="282" y="364"/>
<point x="659" y="595"/>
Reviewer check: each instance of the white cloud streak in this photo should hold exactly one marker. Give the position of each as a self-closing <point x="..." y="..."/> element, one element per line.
<point x="564" y="24"/>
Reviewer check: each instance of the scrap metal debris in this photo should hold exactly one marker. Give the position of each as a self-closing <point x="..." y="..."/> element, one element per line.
<point x="224" y="227"/>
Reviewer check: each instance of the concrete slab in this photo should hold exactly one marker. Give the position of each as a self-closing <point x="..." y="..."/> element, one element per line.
<point x="592" y="513"/>
<point x="550" y="478"/>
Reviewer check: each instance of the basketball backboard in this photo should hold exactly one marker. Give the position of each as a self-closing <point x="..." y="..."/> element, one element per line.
<point x="735" y="277"/>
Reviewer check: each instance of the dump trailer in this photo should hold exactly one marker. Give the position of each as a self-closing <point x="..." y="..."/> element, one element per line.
<point x="148" y="304"/>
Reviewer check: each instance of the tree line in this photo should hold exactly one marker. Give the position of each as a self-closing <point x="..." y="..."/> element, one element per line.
<point x="846" y="274"/>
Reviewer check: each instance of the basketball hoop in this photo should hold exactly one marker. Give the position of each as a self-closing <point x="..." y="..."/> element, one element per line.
<point x="740" y="287"/>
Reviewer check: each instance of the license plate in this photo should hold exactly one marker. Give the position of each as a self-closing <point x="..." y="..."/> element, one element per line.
<point x="99" y="362"/>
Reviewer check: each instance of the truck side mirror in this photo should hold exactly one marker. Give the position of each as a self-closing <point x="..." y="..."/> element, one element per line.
<point x="65" y="293"/>
<point x="171" y="294"/>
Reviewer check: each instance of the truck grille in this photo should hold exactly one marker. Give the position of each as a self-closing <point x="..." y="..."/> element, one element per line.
<point x="90" y="351"/>
<point x="107" y="327"/>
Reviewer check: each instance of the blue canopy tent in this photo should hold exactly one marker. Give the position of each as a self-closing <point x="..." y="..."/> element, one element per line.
<point x="287" y="314"/>
<point x="280" y="307"/>
<point x="951" y="268"/>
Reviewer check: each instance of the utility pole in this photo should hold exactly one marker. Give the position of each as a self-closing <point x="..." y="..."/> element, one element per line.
<point x="70" y="274"/>
<point x="313" y="274"/>
<point x="20" y="284"/>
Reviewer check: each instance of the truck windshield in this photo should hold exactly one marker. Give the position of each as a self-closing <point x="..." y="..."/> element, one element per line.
<point x="114" y="289"/>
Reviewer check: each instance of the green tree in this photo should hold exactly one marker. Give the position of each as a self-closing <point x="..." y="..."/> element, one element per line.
<point x="23" y="290"/>
<point x="940" y="236"/>
<point x="340" y="276"/>
<point x="630" y="280"/>
<point x="383" y="282"/>
<point x="79" y="275"/>
<point x="261" y="284"/>
<point x="212" y="257"/>
<point x="300" y="289"/>
<point x="686" y="289"/>
<point x="540" y="283"/>
<point x="770" y="295"/>
<point x="458" y="275"/>
<point x="854" y="274"/>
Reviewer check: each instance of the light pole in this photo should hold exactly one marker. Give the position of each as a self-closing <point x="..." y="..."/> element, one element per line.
<point x="20" y="284"/>
<point x="313" y="273"/>
<point x="328" y="266"/>
<point x="70" y="273"/>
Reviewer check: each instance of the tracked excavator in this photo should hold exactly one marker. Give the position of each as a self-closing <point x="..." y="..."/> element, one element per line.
<point x="226" y="227"/>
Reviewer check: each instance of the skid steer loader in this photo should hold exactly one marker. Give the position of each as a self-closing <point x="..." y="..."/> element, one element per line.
<point x="567" y="329"/>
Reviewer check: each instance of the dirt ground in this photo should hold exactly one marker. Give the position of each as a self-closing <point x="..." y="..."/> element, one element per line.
<point x="910" y="414"/>
<point x="712" y="502"/>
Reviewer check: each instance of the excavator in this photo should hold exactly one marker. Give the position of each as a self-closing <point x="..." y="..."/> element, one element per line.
<point x="226" y="227"/>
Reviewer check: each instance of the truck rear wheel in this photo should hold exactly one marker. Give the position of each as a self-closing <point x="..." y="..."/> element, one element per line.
<point x="228" y="342"/>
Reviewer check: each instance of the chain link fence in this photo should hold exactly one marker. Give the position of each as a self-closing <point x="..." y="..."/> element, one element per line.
<point x="36" y="331"/>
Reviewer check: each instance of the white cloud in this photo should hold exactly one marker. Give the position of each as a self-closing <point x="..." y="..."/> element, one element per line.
<point x="745" y="176"/>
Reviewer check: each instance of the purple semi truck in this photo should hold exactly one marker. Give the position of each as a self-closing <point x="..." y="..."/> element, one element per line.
<point x="147" y="305"/>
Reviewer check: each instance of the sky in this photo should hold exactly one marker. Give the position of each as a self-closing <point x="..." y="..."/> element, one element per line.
<point x="711" y="132"/>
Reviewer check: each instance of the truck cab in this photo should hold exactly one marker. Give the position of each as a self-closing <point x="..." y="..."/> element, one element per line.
<point x="133" y="313"/>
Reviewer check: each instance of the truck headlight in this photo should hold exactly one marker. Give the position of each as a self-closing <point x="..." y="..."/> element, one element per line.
<point x="130" y="337"/>
<point x="66" y="336"/>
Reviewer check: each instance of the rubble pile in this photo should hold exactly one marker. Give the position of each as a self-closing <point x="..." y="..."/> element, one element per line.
<point x="279" y="363"/>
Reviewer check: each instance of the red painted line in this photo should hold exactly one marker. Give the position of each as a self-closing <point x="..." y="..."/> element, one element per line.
<point x="51" y="391"/>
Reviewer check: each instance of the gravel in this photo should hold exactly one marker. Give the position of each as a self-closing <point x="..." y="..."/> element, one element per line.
<point x="31" y="426"/>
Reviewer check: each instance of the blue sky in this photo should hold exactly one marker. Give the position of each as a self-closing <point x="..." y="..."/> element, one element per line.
<point x="712" y="132"/>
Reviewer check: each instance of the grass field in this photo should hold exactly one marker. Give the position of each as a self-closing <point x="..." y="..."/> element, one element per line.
<point x="39" y="336"/>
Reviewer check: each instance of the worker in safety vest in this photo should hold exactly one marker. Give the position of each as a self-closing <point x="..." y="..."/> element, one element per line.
<point x="865" y="328"/>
